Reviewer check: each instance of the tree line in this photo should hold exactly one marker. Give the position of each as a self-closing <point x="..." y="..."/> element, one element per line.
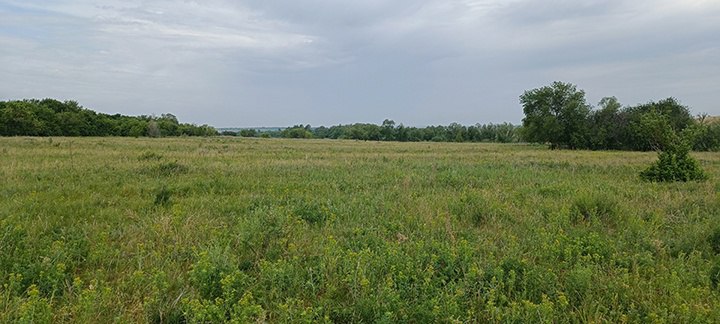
<point x="559" y="115"/>
<point x="49" y="117"/>
<point x="389" y="131"/>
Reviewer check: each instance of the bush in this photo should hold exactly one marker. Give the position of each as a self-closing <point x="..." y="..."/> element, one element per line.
<point x="674" y="161"/>
<point x="674" y="164"/>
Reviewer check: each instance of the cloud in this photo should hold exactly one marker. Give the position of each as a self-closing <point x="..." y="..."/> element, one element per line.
<point x="328" y="61"/>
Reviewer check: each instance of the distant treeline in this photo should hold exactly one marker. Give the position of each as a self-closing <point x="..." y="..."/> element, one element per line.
<point x="389" y="131"/>
<point x="51" y="117"/>
<point x="559" y="115"/>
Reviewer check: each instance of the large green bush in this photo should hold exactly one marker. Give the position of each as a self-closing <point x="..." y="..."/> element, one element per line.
<point x="674" y="165"/>
<point x="674" y="161"/>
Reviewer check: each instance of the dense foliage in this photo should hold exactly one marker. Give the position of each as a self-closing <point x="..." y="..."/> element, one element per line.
<point x="51" y="117"/>
<point x="558" y="115"/>
<point x="388" y="131"/>
<point x="213" y="229"/>
<point x="674" y="161"/>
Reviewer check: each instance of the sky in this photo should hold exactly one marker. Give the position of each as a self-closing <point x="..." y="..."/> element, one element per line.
<point x="326" y="62"/>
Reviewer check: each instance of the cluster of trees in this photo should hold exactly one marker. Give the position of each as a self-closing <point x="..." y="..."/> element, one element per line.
<point x="389" y="131"/>
<point x="51" y="117"/>
<point x="559" y="115"/>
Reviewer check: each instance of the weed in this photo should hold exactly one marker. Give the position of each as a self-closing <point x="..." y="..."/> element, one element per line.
<point x="35" y="309"/>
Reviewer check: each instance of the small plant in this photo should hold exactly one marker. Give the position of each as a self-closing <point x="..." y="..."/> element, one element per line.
<point x="162" y="197"/>
<point x="35" y="309"/>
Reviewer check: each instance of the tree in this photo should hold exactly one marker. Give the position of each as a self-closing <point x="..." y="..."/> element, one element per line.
<point x="18" y="119"/>
<point x="297" y="131"/>
<point x="248" y="132"/>
<point x="388" y="130"/>
<point x="152" y="129"/>
<point x="606" y="125"/>
<point x="677" y="118"/>
<point x="556" y="114"/>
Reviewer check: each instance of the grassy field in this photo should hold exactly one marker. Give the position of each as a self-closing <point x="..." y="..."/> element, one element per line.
<point x="101" y="230"/>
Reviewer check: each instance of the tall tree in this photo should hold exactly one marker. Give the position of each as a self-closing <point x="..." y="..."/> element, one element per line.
<point x="556" y="114"/>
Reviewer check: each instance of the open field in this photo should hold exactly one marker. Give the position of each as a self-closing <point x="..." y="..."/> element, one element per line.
<point x="202" y="229"/>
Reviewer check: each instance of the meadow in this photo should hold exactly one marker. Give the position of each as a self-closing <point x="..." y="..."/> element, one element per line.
<point x="103" y="230"/>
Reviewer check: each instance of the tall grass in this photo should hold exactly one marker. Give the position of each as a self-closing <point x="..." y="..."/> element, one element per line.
<point x="213" y="229"/>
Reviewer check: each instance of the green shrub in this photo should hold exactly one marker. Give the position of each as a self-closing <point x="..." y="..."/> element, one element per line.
<point x="162" y="197"/>
<point x="673" y="166"/>
<point x="224" y="294"/>
<point x="35" y="309"/>
<point x="206" y="274"/>
<point x="674" y="161"/>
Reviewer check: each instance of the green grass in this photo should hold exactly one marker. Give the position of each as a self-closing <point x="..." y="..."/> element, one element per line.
<point x="210" y="229"/>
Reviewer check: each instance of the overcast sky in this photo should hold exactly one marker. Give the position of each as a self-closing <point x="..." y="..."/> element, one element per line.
<point x="325" y="62"/>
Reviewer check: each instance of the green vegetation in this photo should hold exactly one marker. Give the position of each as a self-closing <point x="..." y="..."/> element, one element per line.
<point x="389" y="131"/>
<point x="98" y="230"/>
<point x="50" y="117"/>
<point x="559" y="115"/>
